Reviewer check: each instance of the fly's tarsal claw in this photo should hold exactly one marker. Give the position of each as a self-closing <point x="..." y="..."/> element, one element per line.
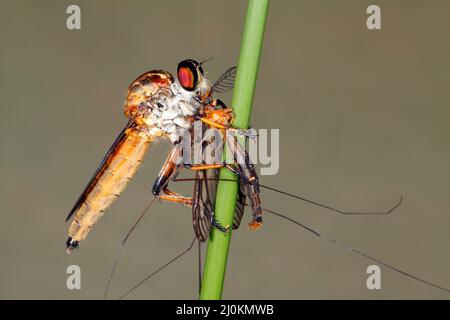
<point x="255" y="224"/>
<point x="218" y="226"/>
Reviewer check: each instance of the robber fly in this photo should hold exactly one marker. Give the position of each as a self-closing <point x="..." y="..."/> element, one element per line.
<point x="159" y="106"/>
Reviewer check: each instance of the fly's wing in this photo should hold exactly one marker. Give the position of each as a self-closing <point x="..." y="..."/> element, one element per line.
<point x="225" y="82"/>
<point x="91" y="183"/>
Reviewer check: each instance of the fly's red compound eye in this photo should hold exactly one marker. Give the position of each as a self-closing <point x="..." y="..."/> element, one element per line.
<point x="186" y="78"/>
<point x="189" y="72"/>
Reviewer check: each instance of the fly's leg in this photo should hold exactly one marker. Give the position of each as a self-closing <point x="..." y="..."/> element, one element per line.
<point x="216" y="224"/>
<point x="221" y="119"/>
<point x="251" y="183"/>
<point x="168" y="171"/>
<point x="198" y="167"/>
<point x="246" y="172"/>
<point x="175" y="197"/>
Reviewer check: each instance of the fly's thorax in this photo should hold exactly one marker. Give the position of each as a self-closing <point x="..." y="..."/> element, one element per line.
<point x="172" y="116"/>
<point x="146" y="88"/>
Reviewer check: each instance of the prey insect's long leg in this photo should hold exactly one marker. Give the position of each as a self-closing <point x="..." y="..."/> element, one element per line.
<point x="336" y="242"/>
<point x="316" y="203"/>
<point x="168" y="170"/>
<point x="178" y="256"/>
<point x="122" y="245"/>
<point x="356" y="251"/>
<point x="392" y="209"/>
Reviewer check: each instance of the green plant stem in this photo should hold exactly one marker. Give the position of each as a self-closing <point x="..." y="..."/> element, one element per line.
<point x="219" y="242"/>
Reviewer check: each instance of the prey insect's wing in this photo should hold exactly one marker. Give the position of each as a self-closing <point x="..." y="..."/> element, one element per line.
<point x="100" y="168"/>
<point x="204" y="200"/>
<point x="225" y="82"/>
<point x="204" y="196"/>
<point x="240" y="206"/>
<point x="202" y="205"/>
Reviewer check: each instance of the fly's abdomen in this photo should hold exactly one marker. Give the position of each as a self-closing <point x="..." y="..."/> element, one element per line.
<point x="116" y="170"/>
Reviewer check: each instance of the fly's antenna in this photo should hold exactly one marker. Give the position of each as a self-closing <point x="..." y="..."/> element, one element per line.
<point x="322" y="205"/>
<point x="356" y="251"/>
<point x="392" y="209"/>
<point x="206" y="60"/>
<point x="159" y="269"/>
<point x="119" y="253"/>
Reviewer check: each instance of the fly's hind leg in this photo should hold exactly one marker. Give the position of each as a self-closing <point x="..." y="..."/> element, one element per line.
<point x="246" y="172"/>
<point x="251" y="182"/>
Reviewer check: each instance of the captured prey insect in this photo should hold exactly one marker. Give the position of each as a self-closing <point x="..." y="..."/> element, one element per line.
<point x="160" y="106"/>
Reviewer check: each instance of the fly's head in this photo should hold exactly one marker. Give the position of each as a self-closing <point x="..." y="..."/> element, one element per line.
<point x="191" y="83"/>
<point x="162" y="106"/>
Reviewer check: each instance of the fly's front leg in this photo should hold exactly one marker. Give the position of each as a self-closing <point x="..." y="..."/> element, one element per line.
<point x="199" y="167"/>
<point x="175" y="197"/>
<point x="219" y="119"/>
<point x="168" y="170"/>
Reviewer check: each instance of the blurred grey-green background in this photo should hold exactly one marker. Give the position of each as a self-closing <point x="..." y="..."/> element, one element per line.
<point x="363" y="118"/>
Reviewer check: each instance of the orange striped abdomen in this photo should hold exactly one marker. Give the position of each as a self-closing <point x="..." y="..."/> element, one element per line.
<point x="117" y="170"/>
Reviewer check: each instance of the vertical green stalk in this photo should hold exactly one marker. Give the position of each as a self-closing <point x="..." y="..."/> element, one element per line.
<point x="219" y="242"/>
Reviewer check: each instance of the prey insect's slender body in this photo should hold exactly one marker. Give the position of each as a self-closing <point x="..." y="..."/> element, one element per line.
<point x="159" y="106"/>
